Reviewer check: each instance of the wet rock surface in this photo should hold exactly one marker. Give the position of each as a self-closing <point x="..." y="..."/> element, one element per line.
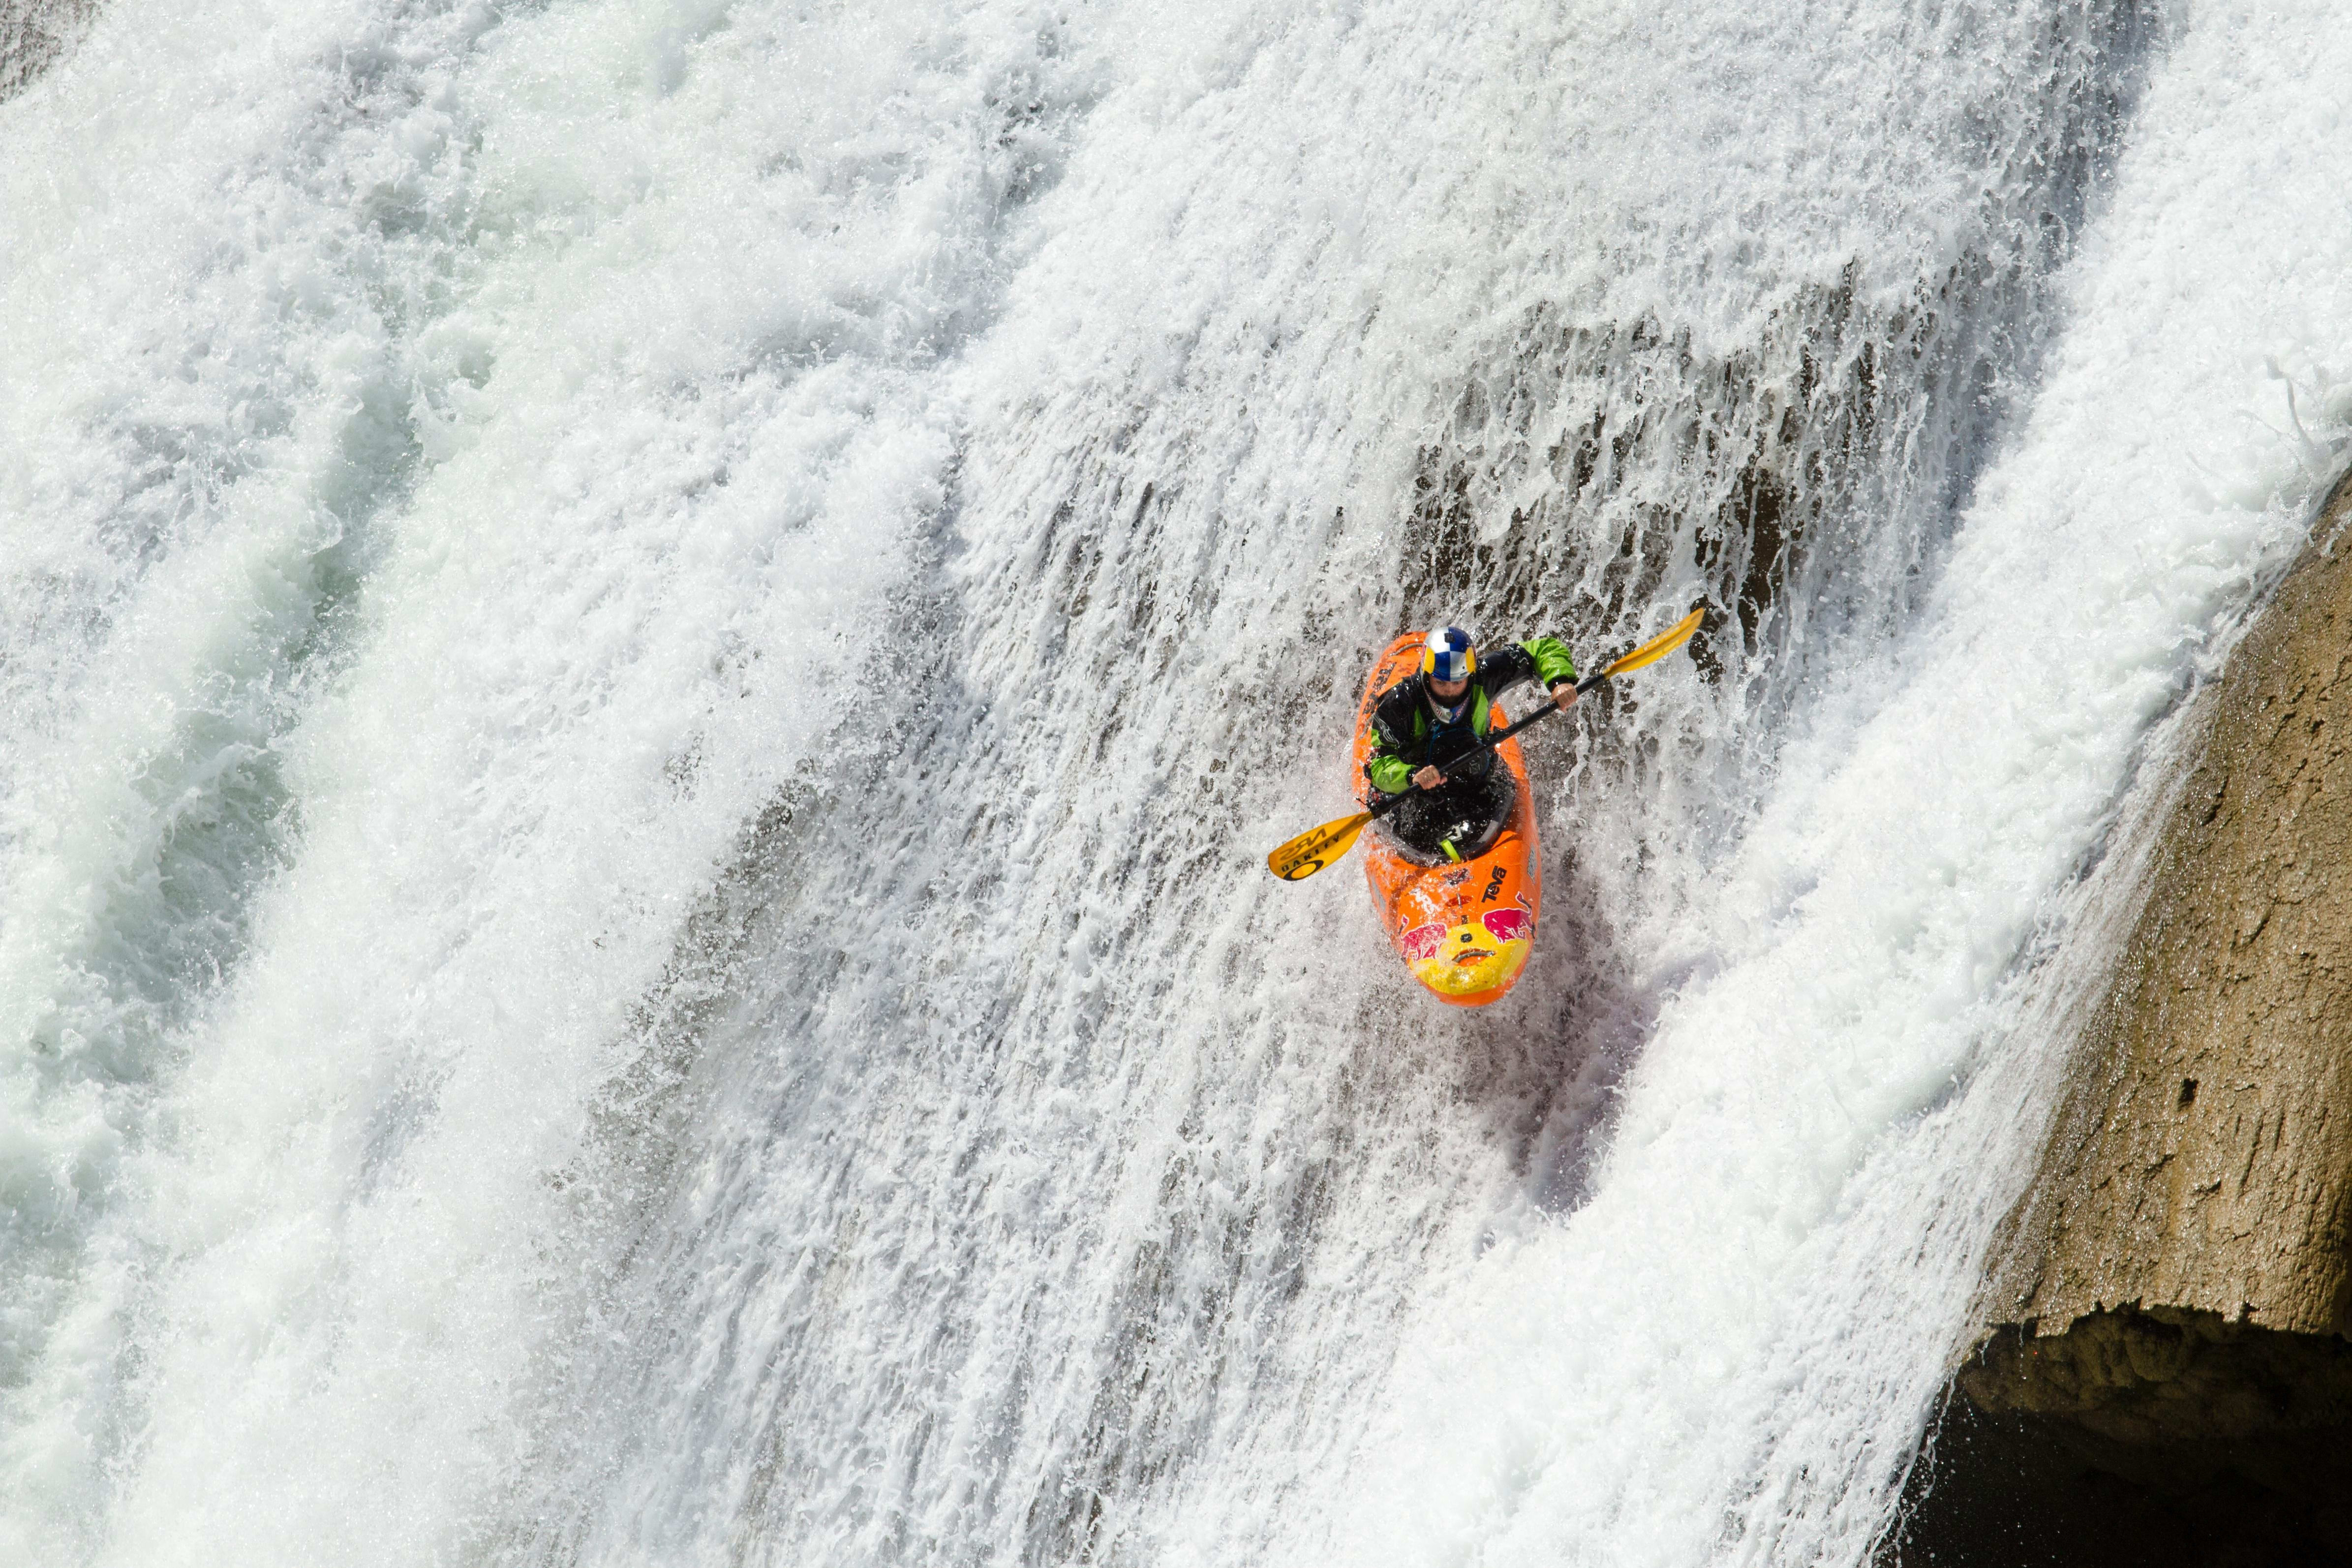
<point x="2178" y="1399"/>
<point x="35" y="35"/>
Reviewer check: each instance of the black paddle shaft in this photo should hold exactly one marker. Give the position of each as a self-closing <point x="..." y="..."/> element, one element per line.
<point x="1382" y="807"/>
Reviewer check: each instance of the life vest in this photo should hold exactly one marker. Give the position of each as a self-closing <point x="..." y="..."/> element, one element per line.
<point x="1439" y="742"/>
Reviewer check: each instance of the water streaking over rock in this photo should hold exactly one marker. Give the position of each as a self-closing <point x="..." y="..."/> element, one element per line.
<point x="2165" y="1328"/>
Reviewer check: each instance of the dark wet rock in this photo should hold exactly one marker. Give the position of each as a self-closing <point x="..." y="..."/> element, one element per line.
<point x="35" y="35"/>
<point x="2170" y="1398"/>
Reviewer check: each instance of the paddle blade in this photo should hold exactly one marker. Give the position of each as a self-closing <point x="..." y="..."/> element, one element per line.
<point x="1650" y="652"/>
<point x="1317" y="848"/>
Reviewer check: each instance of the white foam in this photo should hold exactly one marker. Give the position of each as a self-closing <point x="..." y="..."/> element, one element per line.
<point x="472" y="454"/>
<point x="649" y="317"/>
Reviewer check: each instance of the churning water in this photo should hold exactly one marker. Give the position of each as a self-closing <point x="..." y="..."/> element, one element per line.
<point x="648" y="651"/>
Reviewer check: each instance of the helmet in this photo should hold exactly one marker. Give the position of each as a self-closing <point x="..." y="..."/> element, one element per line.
<point x="1448" y="656"/>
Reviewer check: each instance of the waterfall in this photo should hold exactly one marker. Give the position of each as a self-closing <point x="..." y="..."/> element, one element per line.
<point x="651" y="649"/>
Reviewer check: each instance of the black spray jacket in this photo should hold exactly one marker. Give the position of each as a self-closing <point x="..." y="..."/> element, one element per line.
<point x="1408" y="733"/>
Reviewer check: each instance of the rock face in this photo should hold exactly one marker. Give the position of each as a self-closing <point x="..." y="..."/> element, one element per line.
<point x="2212" y="1173"/>
<point x="2172" y="1306"/>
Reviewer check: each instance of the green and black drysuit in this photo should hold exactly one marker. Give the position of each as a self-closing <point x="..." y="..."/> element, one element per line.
<point x="1409" y="732"/>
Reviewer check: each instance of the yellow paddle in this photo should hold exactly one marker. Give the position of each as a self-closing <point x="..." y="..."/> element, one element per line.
<point x="1319" y="846"/>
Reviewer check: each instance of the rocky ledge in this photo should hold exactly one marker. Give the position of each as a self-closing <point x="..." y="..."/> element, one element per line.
<point x="2164" y="1366"/>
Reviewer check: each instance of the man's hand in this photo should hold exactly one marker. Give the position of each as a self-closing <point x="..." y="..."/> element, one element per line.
<point x="1429" y="778"/>
<point x="1565" y="694"/>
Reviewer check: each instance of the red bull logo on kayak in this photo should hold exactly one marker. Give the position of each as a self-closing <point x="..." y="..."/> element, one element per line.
<point x="1421" y="942"/>
<point x="1509" y="925"/>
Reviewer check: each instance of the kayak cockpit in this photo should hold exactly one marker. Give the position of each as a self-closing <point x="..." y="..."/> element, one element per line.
<point x="1469" y="818"/>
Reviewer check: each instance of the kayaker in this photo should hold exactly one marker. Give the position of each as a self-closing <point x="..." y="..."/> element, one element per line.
<point x="1428" y="720"/>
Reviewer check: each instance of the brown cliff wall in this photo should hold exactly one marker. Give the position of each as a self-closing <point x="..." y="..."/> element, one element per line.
<point x="2172" y="1309"/>
<point x="2212" y="1171"/>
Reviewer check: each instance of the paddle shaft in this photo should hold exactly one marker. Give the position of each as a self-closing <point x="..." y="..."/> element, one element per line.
<point x="1551" y="706"/>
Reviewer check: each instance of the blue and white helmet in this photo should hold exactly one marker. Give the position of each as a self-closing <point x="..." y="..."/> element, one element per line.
<point x="1448" y="656"/>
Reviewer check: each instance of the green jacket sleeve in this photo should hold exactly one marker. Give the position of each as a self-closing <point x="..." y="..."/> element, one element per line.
<point x="1553" y="664"/>
<point x="1393" y="736"/>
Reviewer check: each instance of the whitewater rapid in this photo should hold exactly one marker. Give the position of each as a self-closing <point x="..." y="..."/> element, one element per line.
<point x="650" y="650"/>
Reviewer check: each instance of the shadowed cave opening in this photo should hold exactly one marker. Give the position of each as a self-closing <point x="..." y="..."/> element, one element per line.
<point x="2137" y="1437"/>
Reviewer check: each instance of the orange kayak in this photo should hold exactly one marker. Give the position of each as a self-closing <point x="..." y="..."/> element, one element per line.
<point x="1465" y="930"/>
